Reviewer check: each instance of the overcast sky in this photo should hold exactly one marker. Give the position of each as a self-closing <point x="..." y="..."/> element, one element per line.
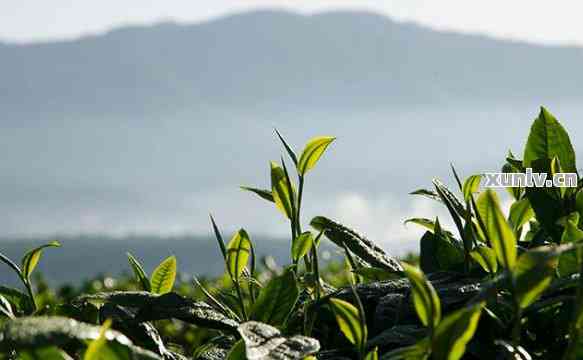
<point x="549" y="22"/>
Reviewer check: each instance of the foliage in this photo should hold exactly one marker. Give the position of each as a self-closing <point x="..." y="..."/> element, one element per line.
<point x="497" y="285"/>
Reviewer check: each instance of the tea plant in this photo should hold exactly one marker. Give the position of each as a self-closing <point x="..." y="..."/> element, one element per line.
<point x="497" y="286"/>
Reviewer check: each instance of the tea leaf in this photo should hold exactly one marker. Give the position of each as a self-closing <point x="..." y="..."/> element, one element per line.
<point x="264" y="194"/>
<point x="486" y="257"/>
<point x="288" y="148"/>
<point x="349" y="321"/>
<point x="276" y="300"/>
<point x="499" y="233"/>
<point x="237" y="352"/>
<point x="279" y="188"/>
<point x="471" y="186"/>
<point x="418" y="351"/>
<point x="454" y="332"/>
<point x="372" y="355"/>
<point x="533" y="273"/>
<point x="238" y="252"/>
<point x="163" y="277"/>
<point x="265" y="342"/>
<point x="98" y="345"/>
<point x="39" y="332"/>
<point x="569" y="262"/>
<point x="48" y="353"/>
<point x="425" y="299"/>
<point x="360" y="246"/>
<point x="548" y="139"/>
<point x="301" y="245"/>
<point x="375" y="274"/>
<point x="312" y="152"/>
<point x="520" y="213"/>
<point x="31" y="258"/>
<point x="139" y="272"/>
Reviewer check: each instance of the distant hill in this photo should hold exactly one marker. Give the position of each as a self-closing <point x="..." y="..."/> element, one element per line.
<point x="273" y="60"/>
<point x="147" y="129"/>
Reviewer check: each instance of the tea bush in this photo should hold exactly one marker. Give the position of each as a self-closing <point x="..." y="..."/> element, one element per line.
<point x="496" y="286"/>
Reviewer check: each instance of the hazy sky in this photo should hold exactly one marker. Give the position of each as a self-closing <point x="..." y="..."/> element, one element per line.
<point x="552" y="22"/>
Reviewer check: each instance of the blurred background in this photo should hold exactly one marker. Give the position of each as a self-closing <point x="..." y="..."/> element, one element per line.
<point x="123" y="124"/>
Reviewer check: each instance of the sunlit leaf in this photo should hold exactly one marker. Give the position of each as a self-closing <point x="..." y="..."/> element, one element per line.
<point x="533" y="273"/>
<point x="301" y="245"/>
<point x="520" y="213"/>
<point x="282" y="197"/>
<point x="312" y="152"/>
<point x="31" y="258"/>
<point x="238" y="253"/>
<point x="471" y="186"/>
<point x="498" y="231"/>
<point x="486" y="257"/>
<point x="163" y="276"/>
<point x="348" y="320"/>
<point x="425" y="299"/>
<point x="454" y="332"/>
<point x="98" y="346"/>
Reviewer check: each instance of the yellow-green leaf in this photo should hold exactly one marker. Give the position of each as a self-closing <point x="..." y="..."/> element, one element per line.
<point x="162" y="280"/>
<point x="533" y="273"/>
<point x="301" y="245"/>
<point x="372" y="355"/>
<point x="312" y="153"/>
<point x="31" y="258"/>
<point x="349" y="322"/>
<point x="280" y="190"/>
<point x="425" y="299"/>
<point x="471" y="186"/>
<point x="486" y="258"/>
<point x="520" y="213"/>
<point x="454" y="332"/>
<point x="96" y="347"/>
<point x="498" y="231"/>
<point x="238" y="253"/>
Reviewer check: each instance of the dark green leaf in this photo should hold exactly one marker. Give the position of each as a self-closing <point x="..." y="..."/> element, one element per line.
<point x="139" y="272"/>
<point x="276" y="300"/>
<point x="264" y="194"/>
<point x="548" y="139"/>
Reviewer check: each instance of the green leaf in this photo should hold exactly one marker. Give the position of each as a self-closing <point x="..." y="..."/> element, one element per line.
<point x="20" y="302"/>
<point x="312" y="152"/>
<point x="426" y="223"/>
<point x="139" y="272"/>
<point x="425" y="299"/>
<point x="349" y="322"/>
<point x="471" y="186"/>
<point x="282" y="197"/>
<point x="498" y="231"/>
<point x="288" y="148"/>
<point x="301" y="245"/>
<point x="264" y="194"/>
<point x="548" y="139"/>
<point x="533" y="273"/>
<point x="486" y="258"/>
<point x="238" y="253"/>
<point x="454" y="332"/>
<point x="372" y="355"/>
<point x="237" y="352"/>
<point x="439" y="253"/>
<point x="520" y="213"/>
<point x="276" y="300"/>
<point x="31" y="258"/>
<point x="569" y="262"/>
<point x="359" y="245"/>
<point x="163" y="277"/>
<point x="47" y="353"/>
<point x="419" y="351"/>
<point x="98" y="346"/>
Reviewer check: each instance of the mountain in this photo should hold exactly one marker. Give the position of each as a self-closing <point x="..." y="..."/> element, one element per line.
<point x="147" y="128"/>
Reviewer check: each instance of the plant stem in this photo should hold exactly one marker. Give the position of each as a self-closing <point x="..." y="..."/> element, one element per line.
<point x="240" y="297"/>
<point x="30" y="294"/>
